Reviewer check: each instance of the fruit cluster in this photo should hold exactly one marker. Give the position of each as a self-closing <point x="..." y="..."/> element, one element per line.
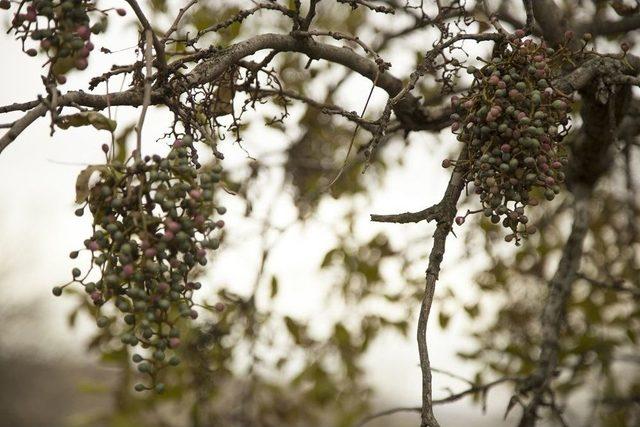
<point x="513" y="121"/>
<point x="152" y="226"/>
<point x="63" y="29"/>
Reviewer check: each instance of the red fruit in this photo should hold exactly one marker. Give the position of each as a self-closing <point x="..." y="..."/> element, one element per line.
<point x="199" y="220"/>
<point x="459" y="220"/>
<point x="493" y="80"/>
<point x="93" y="245"/>
<point x="150" y="252"/>
<point x="568" y="34"/>
<point x="163" y="287"/>
<point x="455" y="100"/>
<point x="89" y="46"/>
<point x="173" y="226"/>
<point x="121" y="12"/>
<point x="84" y="52"/>
<point x="519" y="33"/>
<point x="128" y="270"/>
<point x="455" y="126"/>
<point x="168" y="235"/>
<point x="61" y="79"/>
<point x="84" y="32"/>
<point x="505" y="148"/>
<point x="81" y="63"/>
<point x="31" y="15"/>
<point x="195" y="193"/>
<point x="446" y="163"/>
<point x="174" y="342"/>
<point x="219" y="306"/>
<point x="556" y="165"/>
<point x="220" y="223"/>
<point x="96" y="296"/>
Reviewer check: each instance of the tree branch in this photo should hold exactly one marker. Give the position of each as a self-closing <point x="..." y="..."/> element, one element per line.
<point x="474" y="389"/>
<point x="146" y="25"/>
<point x="427" y="214"/>
<point x="554" y="310"/>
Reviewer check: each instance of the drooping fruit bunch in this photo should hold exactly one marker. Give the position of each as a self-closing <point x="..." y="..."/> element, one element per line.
<point x="513" y="121"/>
<point x="152" y="226"/>
<point x="63" y="29"/>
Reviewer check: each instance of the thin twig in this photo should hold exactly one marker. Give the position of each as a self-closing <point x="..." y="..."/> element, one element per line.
<point x="474" y="389"/>
<point x="146" y="25"/>
<point x="148" y="58"/>
<point x="174" y="26"/>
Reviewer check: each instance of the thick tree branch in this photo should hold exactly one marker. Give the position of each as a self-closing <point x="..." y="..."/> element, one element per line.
<point x="554" y="310"/>
<point x="607" y="27"/>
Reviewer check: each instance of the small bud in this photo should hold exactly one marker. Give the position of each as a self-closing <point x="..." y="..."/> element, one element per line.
<point x="121" y="12"/>
<point x="459" y="220"/>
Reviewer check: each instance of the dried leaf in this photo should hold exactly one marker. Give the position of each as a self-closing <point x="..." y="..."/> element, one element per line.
<point x="86" y="118"/>
<point x="82" y="182"/>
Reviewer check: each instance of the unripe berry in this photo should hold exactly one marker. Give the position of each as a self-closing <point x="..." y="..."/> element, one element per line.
<point x="102" y="321"/>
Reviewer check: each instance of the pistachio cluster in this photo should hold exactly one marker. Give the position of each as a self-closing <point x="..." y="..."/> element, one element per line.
<point x="63" y="29"/>
<point x="152" y="226"/>
<point x="513" y="121"/>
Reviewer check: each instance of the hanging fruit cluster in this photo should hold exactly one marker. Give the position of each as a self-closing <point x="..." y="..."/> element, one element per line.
<point x="513" y="121"/>
<point x="63" y="29"/>
<point x="152" y="226"/>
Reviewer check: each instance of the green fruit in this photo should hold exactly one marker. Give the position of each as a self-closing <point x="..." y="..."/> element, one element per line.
<point x="102" y="321"/>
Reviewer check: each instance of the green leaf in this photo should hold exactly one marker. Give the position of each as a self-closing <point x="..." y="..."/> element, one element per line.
<point x="274" y="286"/>
<point x="294" y="328"/>
<point x="443" y="319"/>
<point x="86" y="118"/>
